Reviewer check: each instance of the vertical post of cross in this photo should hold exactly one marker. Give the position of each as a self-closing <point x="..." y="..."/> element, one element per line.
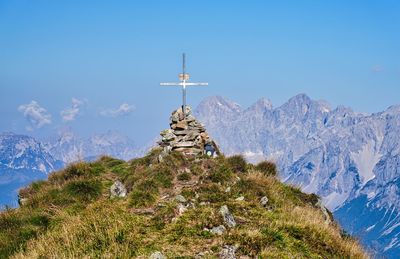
<point x="184" y="77"/>
<point x="184" y="85"/>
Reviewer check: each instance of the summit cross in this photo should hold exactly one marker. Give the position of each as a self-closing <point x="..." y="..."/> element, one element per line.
<point x="183" y="77"/>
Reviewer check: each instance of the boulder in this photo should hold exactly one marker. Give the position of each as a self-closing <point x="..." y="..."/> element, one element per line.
<point x="264" y="201"/>
<point x="118" y="190"/>
<point x="228" y="252"/>
<point x="227" y="216"/>
<point x="218" y="230"/>
<point x="180" y="198"/>
<point x="157" y="255"/>
<point x="241" y="198"/>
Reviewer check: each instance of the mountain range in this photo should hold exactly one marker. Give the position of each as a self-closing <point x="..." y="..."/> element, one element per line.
<point x="351" y="160"/>
<point x="24" y="159"/>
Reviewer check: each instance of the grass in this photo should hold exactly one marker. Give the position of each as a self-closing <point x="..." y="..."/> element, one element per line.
<point x="72" y="216"/>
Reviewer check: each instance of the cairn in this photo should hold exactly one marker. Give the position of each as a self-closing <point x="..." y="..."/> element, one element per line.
<point x="187" y="135"/>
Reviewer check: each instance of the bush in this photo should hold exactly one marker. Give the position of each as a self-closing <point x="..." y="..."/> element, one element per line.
<point x="163" y="177"/>
<point x="184" y="177"/>
<point x="237" y="163"/>
<point x="221" y="174"/>
<point x="85" y="190"/>
<point x="144" y="194"/>
<point x="72" y="171"/>
<point x="267" y="168"/>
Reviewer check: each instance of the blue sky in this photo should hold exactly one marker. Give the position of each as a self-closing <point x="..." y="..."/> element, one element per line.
<point x="96" y="65"/>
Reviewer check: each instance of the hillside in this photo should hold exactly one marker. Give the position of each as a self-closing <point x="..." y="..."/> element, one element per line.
<point x="178" y="206"/>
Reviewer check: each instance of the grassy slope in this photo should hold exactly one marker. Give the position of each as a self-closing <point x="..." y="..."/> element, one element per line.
<point x="71" y="214"/>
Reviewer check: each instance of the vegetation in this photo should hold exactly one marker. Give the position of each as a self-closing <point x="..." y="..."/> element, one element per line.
<point x="72" y="215"/>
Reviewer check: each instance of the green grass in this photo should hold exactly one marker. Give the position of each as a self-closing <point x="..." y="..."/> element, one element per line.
<point x="72" y="216"/>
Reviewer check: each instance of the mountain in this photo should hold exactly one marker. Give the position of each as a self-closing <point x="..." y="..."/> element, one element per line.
<point x="174" y="207"/>
<point x="22" y="160"/>
<point x="350" y="159"/>
<point x="68" y="147"/>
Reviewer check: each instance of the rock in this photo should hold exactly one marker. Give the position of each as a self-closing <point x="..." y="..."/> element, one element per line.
<point x="180" y="125"/>
<point x="184" y="144"/>
<point x="180" y="198"/>
<point x="118" y="190"/>
<point x="228" y="252"/>
<point x="241" y="198"/>
<point x="157" y="255"/>
<point x="22" y="201"/>
<point x="228" y="189"/>
<point x="324" y="211"/>
<point x="160" y="158"/>
<point x="264" y="201"/>
<point x="218" y="230"/>
<point x="228" y="217"/>
<point x="181" y="209"/>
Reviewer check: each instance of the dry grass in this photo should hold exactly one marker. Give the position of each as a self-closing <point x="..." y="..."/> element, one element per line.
<point x="78" y="225"/>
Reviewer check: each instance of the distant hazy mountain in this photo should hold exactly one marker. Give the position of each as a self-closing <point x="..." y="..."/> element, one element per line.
<point x="22" y="160"/>
<point x="352" y="160"/>
<point x="68" y="147"/>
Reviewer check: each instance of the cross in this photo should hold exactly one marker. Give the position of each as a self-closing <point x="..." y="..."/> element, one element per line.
<point x="184" y="77"/>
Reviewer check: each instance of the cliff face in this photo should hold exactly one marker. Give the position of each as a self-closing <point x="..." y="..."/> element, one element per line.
<point x="180" y="206"/>
<point x="351" y="160"/>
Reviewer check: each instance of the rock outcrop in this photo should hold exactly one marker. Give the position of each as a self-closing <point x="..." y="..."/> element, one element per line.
<point x="187" y="135"/>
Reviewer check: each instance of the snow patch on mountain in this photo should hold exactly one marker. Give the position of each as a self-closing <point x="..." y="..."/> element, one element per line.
<point x="350" y="159"/>
<point x="365" y="160"/>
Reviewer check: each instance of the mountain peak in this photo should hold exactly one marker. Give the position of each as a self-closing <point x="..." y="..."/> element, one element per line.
<point x="179" y="206"/>
<point x="220" y="103"/>
<point x="263" y="104"/>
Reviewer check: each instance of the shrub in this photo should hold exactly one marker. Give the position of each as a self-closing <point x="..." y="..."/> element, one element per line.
<point x="237" y="163"/>
<point x="163" y="177"/>
<point x="85" y="190"/>
<point x="184" y="177"/>
<point x="267" y="168"/>
<point x="144" y="194"/>
<point x="72" y="171"/>
<point x="221" y="174"/>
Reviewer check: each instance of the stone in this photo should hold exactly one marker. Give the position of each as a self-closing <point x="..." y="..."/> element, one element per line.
<point x="118" y="190"/>
<point x="264" y="201"/>
<point x="22" y="201"/>
<point x="327" y="217"/>
<point x="157" y="255"/>
<point x="228" y="252"/>
<point x="227" y="216"/>
<point x="180" y="125"/>
<point x="218" y="230"/>
<point x="241" y="198"/>
<point x="180" y="198"/>
<point x="160" y="158"/>
<point x="181" y="209"/>
<point x="228" y="189"/>
<point x="184" y="144"/>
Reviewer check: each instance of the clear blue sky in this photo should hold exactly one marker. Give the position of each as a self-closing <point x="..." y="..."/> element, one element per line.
<point x="111" y="53"/>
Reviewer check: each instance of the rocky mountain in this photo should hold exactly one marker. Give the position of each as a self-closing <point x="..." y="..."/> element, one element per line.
<point x="68" y="147"/>
<point x="350" y="159"/>
<point x="22" y="160"/>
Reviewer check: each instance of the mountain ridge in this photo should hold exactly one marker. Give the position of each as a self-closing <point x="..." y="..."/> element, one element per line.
<point x="337" y="153"/>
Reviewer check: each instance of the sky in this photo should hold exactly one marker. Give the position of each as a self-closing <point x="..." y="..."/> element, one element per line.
<point x="94" y="66"/>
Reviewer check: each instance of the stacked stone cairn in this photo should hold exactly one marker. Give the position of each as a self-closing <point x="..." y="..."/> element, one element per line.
<point x="187" y="135"/>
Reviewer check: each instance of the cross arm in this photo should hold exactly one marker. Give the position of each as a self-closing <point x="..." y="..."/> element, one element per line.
<point x="196" y="84"/>
<point x="170" y="84"/>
